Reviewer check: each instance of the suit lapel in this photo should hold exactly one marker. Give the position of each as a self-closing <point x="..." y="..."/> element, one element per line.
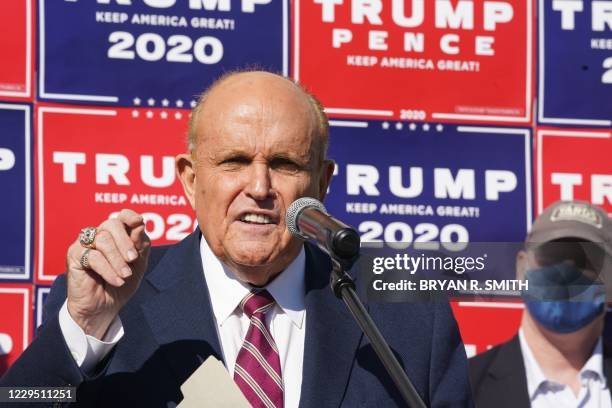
<point x="180" y="315"/>
<point x="332" y="337"/>
<point x="607" y="362"/>
<point x="508" y="373"/>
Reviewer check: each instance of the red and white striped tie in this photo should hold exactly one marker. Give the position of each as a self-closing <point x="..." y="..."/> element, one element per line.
<point x="258" y="370"/>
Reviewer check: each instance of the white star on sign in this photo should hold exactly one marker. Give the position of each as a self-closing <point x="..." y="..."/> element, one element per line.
<point x="165" y="102"/>
<point x="135" y="113"/>
<point x="136" y="101"/>
<point x="151" y="101"/>
<point x="193" y="104"/>
<point x="164" y="115"/>
<point x="399" y="126"/>
<point x="178" y="115"/>
<point x="179" y="103"/>
<point x="149" y="114"/>
<point x="412" y="126"/>
<point x="439" y="128"/>
<point x="385" y="125"/>
<point x="425" y="127"/>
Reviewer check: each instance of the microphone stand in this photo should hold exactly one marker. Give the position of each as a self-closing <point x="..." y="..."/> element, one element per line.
<point x="344" y="288"/>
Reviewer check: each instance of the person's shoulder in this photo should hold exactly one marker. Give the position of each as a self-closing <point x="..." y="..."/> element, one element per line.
<point x="416" y="325"/>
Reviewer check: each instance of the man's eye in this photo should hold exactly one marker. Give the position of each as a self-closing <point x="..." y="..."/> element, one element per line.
<point x="235" y="160"/>
<point x="285" y="165"/>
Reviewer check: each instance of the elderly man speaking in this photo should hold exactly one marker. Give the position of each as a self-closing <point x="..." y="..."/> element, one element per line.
<point x="128" y="324"/>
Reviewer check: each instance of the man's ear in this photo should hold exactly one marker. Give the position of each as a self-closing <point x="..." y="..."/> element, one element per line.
<point x="521" y="265"/>
<point x="327" y="173"/>
<point x="185" y="170"/>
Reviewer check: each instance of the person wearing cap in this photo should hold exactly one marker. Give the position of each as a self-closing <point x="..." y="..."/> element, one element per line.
<point x="558" y="357"/>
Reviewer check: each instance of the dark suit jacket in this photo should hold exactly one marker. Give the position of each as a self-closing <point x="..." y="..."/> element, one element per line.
<point x="170" y="330"/>
<point x="498" y="376"/>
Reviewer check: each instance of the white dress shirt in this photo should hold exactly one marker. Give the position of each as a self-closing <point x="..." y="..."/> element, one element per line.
<point x="545" y="393"/>
<point x="286" y="320"/>
<point x="86" y="350"/>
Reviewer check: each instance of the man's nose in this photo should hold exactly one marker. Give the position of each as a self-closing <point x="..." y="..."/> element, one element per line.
<point x="259" y="186"/>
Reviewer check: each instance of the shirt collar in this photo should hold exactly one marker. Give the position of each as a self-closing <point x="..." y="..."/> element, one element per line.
<point x="595" y="364"/>
<point x="535" y="377"/>
<point x="226" y="291"/>
<point x="533" y="373"/>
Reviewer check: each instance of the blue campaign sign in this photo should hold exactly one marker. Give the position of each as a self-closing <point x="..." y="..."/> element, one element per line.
<point x="575" y="62"/>
<point x="15" y="179"/>
<point x="154" y="52"/>
<point x="431" y="182"/>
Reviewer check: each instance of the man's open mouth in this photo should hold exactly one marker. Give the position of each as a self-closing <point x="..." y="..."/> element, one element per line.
<point x="256" y="219"/>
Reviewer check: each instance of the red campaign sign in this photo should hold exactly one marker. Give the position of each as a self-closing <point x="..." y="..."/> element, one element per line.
<point x="15" y="322"/>
<point x="573" y="164"/>
<point x="484" y="325"/>
<point x="419" y="60"/>
<point x="91" y="163"/>
<point x="16" y="43"/>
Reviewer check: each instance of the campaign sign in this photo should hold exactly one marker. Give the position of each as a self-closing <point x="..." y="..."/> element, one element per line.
<point x="154" y="52"/>
<point x="94" y="162"/>
<point x="417" y="60"/>
<point x="41" y="296"/>
<point x="574" y="164"/>
<point x="15" y="303"/>
<point x="484" y="325"/>
<point x="17" y="49"/>
<point x="575" y="62"/>
<point x="445" y="183"/>
<point x="15" y="178"/>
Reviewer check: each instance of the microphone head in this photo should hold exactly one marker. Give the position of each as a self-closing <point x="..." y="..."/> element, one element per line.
<point x="296" y="208"/>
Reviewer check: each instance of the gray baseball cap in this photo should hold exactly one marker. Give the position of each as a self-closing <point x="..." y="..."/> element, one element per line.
<point x="572" y="219"/>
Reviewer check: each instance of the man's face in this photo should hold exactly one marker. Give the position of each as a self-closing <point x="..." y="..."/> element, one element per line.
<point x="257" y="151"/>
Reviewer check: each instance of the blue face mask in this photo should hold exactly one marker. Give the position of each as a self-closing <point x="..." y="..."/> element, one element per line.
<point x="562" y="299"/>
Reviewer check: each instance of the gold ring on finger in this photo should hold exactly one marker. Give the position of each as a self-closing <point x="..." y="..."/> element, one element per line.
<point x="87" y="237"/>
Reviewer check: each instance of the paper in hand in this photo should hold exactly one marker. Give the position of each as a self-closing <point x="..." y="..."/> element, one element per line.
<point x="211" y="386"/>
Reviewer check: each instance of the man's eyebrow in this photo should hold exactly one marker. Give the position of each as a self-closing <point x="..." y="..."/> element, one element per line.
<point x="302" y="160"/>
<point x="233" y="153"/>
<point x="226" y="153"/>
<point x="286" y="155"/>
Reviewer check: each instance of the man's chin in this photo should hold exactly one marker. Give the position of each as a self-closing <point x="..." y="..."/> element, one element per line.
<point x="258" y="250"/>
<point x="255" y="272"/>
<point x="256" y="264"/>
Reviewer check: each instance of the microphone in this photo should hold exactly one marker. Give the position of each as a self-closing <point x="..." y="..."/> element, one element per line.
<point x="307" y="218"/>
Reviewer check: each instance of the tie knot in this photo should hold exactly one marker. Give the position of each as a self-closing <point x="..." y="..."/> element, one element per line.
<point x="257" y="301"/>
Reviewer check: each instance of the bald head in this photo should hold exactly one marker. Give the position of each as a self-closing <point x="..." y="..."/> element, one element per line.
<point x="238" y="87"/>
